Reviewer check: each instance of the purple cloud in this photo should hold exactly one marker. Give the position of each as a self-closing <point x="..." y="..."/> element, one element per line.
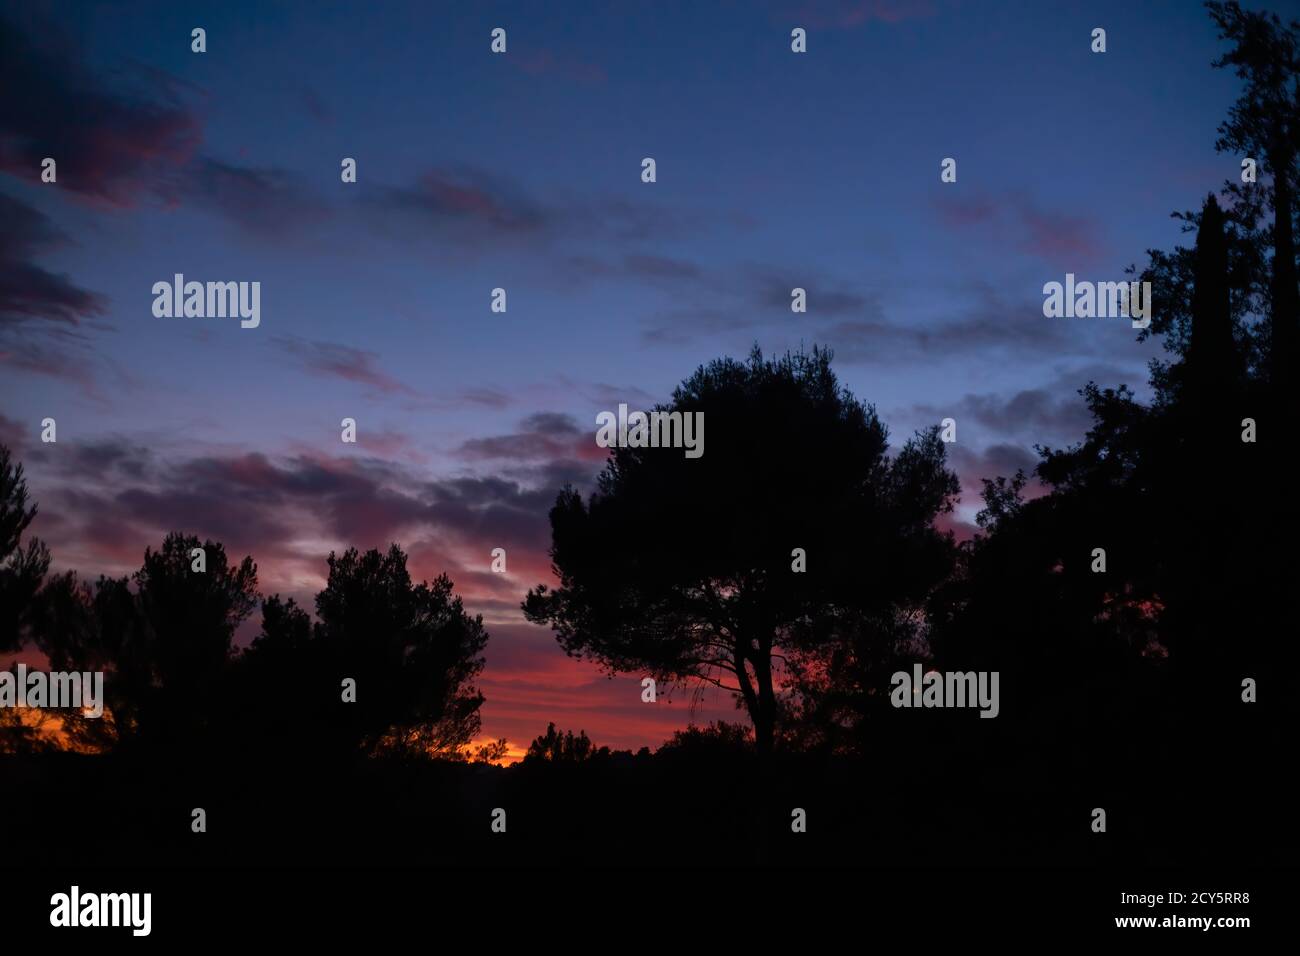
<point x="332" y="360"/>
<point x="109" y="146"/>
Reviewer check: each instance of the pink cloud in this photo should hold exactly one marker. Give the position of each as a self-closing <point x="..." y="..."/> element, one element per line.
<point x="1018" y="222"/>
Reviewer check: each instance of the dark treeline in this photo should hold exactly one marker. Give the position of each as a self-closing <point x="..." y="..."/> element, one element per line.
<point x="1123" y="689"/>
<point x="175" y="682"/>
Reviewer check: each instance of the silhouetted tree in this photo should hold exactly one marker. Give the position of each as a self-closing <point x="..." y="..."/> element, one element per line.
<point x="1128" y="488"/>
<point x="556" y="747"/>
<point x="716" y="739"/>
<point x="492" y="752"/>
<point x="1158" y="488"/>
<point x="412" y="650"/>
<point x="98" y="627"/>
<point x="164" y="645"/>
<point x="681" y="568"/>
<point x="1194" y="459"/>
<point x="1265" y="123"/>
<point x="1067" y="642"/>
<point x="286" y="630"/>
<point x="190" y="617"/>
<point x="287" y="689"/>
<point x="22" y="569"/>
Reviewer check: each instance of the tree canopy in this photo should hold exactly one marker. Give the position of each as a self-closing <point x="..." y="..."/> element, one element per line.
<point x="686" y="570"/>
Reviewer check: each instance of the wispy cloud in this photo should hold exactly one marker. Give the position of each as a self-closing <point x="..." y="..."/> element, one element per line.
<point x="332" y="360"/>
<point x="43" y="314"/>
<point x="544" y="435"/>
<point x="1017" y="222"/>
<point x="264" y="202"/>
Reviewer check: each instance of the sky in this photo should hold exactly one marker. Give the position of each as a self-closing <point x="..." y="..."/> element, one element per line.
<point x="522" y="171"/>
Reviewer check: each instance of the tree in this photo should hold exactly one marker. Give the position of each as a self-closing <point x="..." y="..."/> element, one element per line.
<point x="682" y="569"/>
<point x="718" y="740"/>
<point x="412" y="650"/>
<point x="22" y="569"/>
<point x="98" y="627"/>
<point x="492" y="752"/>
<point x="288" y="690"/>
<point x="556" y="747"/>
<point x="190" y="617"/>
<point x="1264" y="123"/>
<point x="165" y="646"/>
<point x="1158" y="489"/>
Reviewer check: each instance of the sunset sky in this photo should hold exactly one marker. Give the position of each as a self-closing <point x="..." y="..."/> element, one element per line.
<point x="522" y="171"/>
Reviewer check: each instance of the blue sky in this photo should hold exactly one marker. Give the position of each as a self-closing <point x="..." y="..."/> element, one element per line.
<point x="522" y="171"/>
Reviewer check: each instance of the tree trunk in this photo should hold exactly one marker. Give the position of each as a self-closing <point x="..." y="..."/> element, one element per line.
<point x="765" y="719"/>
<point x="760" y="702"/>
